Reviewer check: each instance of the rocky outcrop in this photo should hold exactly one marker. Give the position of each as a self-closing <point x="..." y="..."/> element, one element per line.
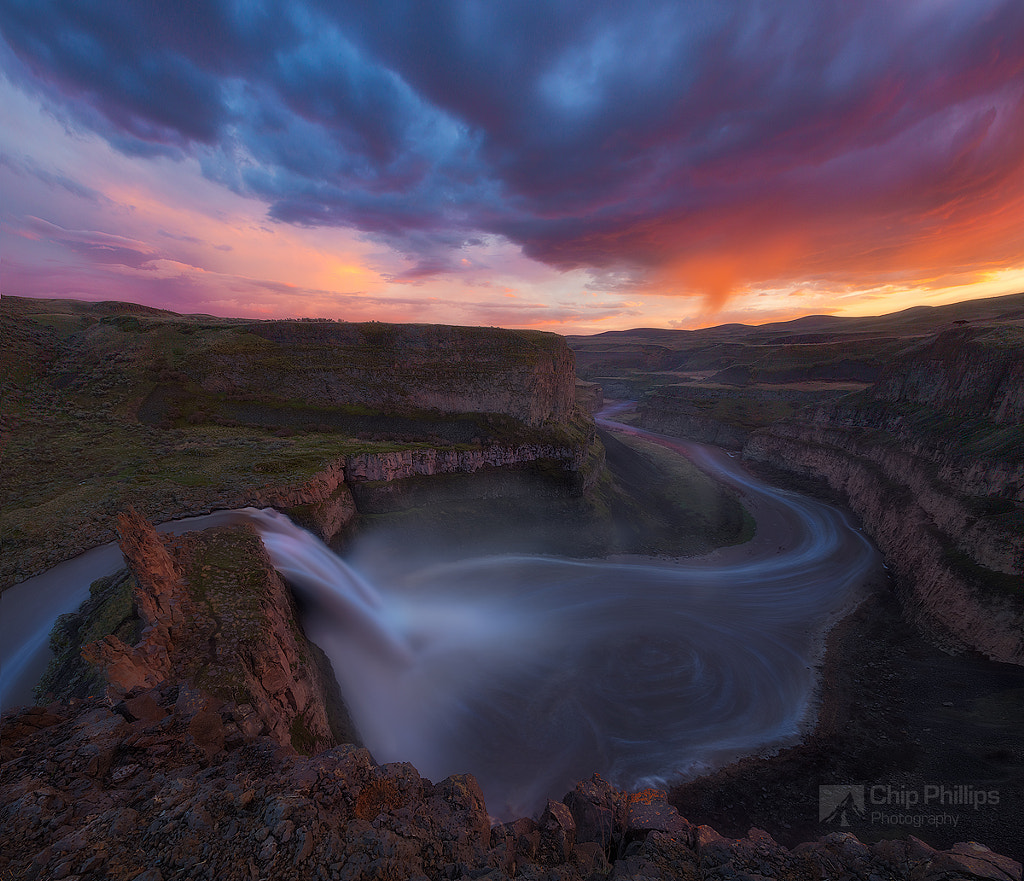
<point x="527" y="375"/>
<point x="930" y="460"/>
<point x="416" y="462"/>
<point x="163" y="786"/>
<point x="216" y="615"/>
<point x="322" y="502"/>
<point x="161" y="603"/>
<point x="589" y="396"/>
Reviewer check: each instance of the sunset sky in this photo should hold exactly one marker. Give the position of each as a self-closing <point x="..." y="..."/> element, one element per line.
<point x="573" y="166"/>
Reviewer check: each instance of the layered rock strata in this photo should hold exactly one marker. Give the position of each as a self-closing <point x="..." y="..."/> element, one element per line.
<point x="528" y="375"/>
<point x="215" y="614"/>
<point x="931" y="461"/>
<point x="718" y="415"/>
<point x="323" y="502"/>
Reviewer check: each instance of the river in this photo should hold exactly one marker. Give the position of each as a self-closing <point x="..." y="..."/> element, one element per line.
<point x="534" y="671"/>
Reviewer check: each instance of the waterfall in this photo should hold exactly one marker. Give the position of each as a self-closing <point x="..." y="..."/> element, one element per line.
<point x="532" y="672"/>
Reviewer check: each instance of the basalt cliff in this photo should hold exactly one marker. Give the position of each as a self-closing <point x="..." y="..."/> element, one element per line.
<point x="216" y="753"/>
<point x="930" y="458"/>
<point x="108" y="405"/>
<point x="914" y="419"/>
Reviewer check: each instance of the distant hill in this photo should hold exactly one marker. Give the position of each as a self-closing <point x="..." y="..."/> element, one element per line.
<point x="778" y="352"/>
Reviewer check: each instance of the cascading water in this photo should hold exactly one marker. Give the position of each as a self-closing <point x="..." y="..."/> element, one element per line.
<point x="533" y="672"/>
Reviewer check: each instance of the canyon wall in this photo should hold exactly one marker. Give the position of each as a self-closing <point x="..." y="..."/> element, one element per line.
<point x="112" y="405"/>
<point x="719" y="415"/>
<point x="931" y="461"/>
<point x="526" y="375"/>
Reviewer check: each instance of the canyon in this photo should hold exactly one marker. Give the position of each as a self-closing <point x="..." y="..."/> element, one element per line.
<point x="214" y="755"/>
<point x="930" y="459"/>
<point x="203" y="735"/>
<point x="914" y="420"/>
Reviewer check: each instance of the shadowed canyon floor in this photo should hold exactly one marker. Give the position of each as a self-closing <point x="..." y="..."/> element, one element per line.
<point x="467" y="650"/>
<point x="533" y="672"/>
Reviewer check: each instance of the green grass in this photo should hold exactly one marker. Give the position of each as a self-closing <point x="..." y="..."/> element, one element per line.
<point x="109" y="610"/>
<point x="711" y="511"/>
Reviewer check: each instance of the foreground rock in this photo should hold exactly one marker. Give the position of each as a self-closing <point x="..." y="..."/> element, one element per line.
<point x="164" y="785"/>
<point x="191" y="766"/>
<point x="213" y="613"/>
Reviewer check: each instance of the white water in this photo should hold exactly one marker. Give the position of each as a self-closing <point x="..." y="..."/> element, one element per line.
<point x="532" y="672"/>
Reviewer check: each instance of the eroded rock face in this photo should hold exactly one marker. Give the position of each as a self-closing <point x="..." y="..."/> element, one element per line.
<point x="166" y="784"/>
<point x="161" y="603"/>
<point x="527" y="375"/>
<point x="589" y="396"/>
<point x="879" y="485"/>
<point x="679" y="418"/>
<point x="322" y="503"/>
<point x="966" y="371"/>
<point x="218" y="616"/>
<point x="720" y="415"/>
<point x="931" y="462"/>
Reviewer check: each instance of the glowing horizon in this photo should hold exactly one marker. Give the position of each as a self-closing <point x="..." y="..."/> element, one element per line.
<point x="759" y="165"/>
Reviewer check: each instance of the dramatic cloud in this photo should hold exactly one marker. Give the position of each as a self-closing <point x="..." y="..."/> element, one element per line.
<point x="656" y="146"/>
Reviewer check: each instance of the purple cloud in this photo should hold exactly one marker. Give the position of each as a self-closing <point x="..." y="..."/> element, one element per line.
<point x="658" y="139"/>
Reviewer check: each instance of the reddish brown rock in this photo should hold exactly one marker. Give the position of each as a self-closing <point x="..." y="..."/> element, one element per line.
<point x="649" y="811"/>
<point x="145" y="708"/>
<point x="84" y="796"/>
<point x="207" y="730"/>
<point x="598" y="810"/>
<point x="161" y="602"/>
<point x="973" y="860"/>
<point x="159" y="596"/>
<point x="557" y="832"/>
<point x="242" y="643"/>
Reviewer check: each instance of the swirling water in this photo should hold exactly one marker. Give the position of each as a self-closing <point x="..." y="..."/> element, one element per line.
<point x="534" y="671"/>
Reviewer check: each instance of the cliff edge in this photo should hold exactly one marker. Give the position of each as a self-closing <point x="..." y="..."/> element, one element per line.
<point x="151" y="790"/>
<point x="213" y="616"/>
<point x="109" y="405"/>
<point x="931" y="458"/>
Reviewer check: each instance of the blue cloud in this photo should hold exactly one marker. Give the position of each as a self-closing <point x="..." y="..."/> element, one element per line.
<point x="581" y="132"/>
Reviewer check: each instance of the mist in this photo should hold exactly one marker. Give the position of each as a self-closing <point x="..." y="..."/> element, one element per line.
<point x="533" y="671"/>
